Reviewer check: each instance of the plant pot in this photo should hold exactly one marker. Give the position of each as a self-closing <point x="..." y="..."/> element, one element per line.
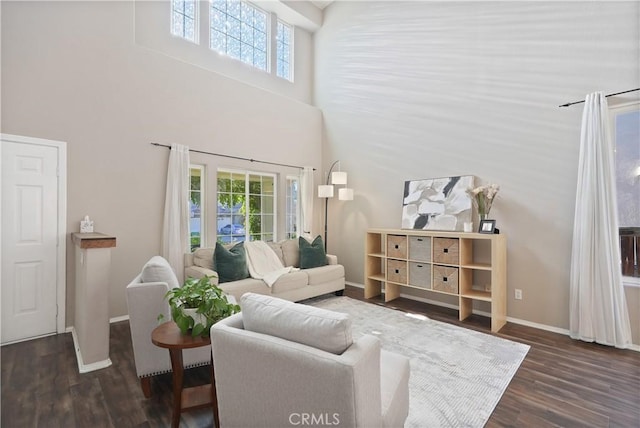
<point x="197" y="318"/>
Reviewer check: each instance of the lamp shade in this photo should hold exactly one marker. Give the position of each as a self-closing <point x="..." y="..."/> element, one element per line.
<point x="325" y="191"/>
<point x="338" y="177"/>
<point x="345" y="194"/>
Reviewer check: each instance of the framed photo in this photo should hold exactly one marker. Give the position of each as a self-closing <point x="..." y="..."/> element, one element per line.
<point x="487" y="226"/>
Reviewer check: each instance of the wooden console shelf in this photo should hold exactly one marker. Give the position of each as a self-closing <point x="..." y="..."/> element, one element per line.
<point x="471" y="266"/>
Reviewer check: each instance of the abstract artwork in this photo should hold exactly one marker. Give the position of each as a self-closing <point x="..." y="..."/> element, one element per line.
<point x="437" y="203"/>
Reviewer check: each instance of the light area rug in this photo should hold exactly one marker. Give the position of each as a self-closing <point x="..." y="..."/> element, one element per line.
<point x="457" y="375"/>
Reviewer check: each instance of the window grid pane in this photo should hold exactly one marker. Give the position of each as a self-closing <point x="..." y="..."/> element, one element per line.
<point x="245" y="28"/>
<point x="291" y="220"/>
<point x="283" y="51"/>
<point x="246" y="207"/>
<point x="627" y="135"/>
<point x="196" y="235"/>
<point x="184" y="21"/>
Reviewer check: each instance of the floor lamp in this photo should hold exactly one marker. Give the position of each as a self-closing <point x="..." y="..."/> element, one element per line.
<point x="326" y="191"/>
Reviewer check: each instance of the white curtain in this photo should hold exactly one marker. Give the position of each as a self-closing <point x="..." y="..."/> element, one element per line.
<point x="598" y="311"/>
<point x="175" y="229"/>
<point x="306" y="201"/>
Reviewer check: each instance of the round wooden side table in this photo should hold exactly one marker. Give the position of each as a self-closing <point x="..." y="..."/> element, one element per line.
<point x="168" y="336"/>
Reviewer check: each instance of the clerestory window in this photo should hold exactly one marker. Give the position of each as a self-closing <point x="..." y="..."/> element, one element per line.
<point x="239" y="30"/>
<point x="283" y="51"/>
<point x="184" y="19"/>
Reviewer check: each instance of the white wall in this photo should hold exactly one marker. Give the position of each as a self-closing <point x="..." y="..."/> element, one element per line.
<point x="428" y="89"/>
<point x="73" y="72"/>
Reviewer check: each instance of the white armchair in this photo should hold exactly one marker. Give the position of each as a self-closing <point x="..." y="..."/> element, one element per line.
<point x="280" y="364"/>
<point x="145" y="301"/>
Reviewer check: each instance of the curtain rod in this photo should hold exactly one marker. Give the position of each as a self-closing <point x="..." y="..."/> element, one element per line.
<point x="610" y="95"/>
<point x="233" y="157"/>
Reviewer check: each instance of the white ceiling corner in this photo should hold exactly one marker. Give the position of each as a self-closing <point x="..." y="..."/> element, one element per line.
<point x="321" y="3"/>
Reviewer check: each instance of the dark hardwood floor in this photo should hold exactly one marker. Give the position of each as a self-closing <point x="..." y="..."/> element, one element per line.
<point x="561" y="382"/>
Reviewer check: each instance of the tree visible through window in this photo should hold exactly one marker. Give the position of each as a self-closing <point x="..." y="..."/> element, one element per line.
<point x="196" y="235"/>
<point x="246" y="206"/>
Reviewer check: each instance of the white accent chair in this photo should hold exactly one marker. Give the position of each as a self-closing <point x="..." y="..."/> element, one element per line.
<point x="145" y="301"/>
<point x="280" y="364"/>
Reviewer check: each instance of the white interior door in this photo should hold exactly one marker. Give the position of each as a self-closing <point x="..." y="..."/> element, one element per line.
<point x="29" y="240"/>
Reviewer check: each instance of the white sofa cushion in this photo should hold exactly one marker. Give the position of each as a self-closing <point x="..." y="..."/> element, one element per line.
<point x="322" y="275"/>
<point x="277" y="248"/>
<point x="203" y="257"/>
<point x="157" y="269"/>
<point x="242" y="286"/>
<point x="322" y="329"/>
<point x="290" y="281"/>
<point x="198" y="272"/>
<point x="290" y="252"/>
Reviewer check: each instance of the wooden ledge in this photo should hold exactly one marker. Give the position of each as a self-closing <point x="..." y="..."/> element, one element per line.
<point x="93" y="240"/>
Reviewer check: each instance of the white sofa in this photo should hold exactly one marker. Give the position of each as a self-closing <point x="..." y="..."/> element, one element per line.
<point x="293" y="286"/>
<point x="145" y="301"/>
<point x="280" y="364"/>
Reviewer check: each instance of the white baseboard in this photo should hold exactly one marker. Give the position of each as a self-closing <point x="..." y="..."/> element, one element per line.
<point x="118" y="319"/>
<point x="82" y="367"/>
<point x="26" y="339"/>
<point x="353" y="284"/>
<point x="111" y="321"/>
<point x="539" y="326"/>
<point x="526" y="323"/>
<point x="634" y="347"/>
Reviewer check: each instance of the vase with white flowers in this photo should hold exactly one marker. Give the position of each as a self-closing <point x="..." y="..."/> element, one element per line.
<point x="482" y="197"/>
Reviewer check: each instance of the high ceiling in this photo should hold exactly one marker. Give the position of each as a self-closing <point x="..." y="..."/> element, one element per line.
<point x="322" y="3"/>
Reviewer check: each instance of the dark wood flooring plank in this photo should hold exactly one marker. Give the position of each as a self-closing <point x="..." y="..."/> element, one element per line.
<point x="509" y="414"/>
<point x="123" y="409"/>
<point x="21" y="385"/>
<point x="89" y="403"/>
<point x="54" y="409"/>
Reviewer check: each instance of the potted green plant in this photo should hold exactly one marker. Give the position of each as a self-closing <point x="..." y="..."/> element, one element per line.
<point x="197" y="305"/>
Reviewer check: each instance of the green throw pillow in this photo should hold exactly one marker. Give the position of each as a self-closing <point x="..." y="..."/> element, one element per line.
<point x="230" y="264"/>
<point x="312" y="255"/>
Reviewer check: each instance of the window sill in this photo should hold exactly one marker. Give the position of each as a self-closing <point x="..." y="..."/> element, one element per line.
<point x="629" y="281"/>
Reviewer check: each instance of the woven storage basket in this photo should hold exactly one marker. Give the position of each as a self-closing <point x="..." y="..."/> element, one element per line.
<point x="397" y="246"/>
<point x="397" y="271"/>
<point x="446" y="250"/>
<point x="445" y="279"/>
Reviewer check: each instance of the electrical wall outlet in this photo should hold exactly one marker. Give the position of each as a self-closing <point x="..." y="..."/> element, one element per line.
<point x="518" y="294"/>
